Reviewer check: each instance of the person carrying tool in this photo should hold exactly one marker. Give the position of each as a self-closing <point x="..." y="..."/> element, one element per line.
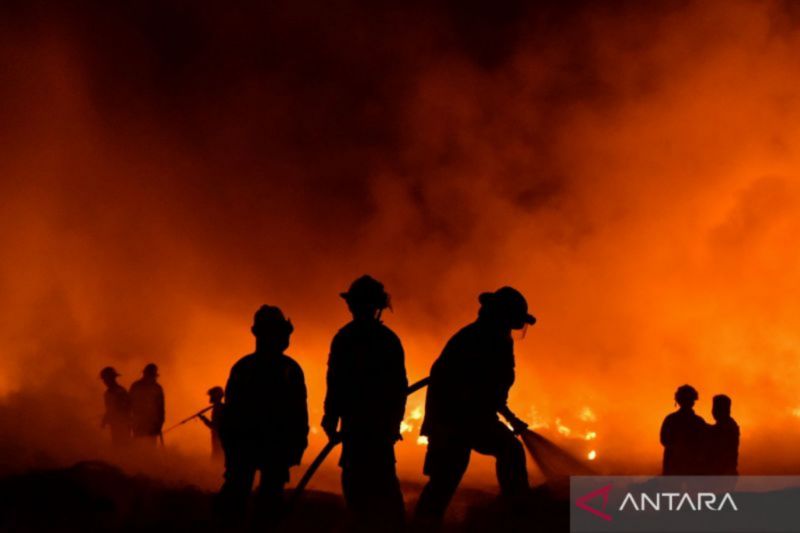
<point x="147" y="405"/>
<point x="469" y="385"/>
<point x="364" y="406"/>
<point x="118" y="408"/>
<point x="265" y="422"/>
<point x="215" y="395"/>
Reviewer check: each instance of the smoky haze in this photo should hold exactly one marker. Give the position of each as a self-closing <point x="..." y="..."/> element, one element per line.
<point x="632" y="169"/>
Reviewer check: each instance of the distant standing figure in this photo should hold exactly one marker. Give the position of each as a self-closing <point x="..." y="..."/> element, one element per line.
<point x="364" y="406"/>
<point x="723" y="446"/>
<point x="265" y="423"/>
<point x="683" y="435"/>
<point x="469" y="385"/>
<point x="147" y="405"/>
<point x="118" y="408"/>
<point x="215" y="395"/>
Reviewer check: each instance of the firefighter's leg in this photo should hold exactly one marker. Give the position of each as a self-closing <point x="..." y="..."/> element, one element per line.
<point x="512" y="472"/>
<point x="392" y="506"/>
<point x="445" y="464"/>
<point x="384" y="499"/>
<point x="270" y="497"/>
<point x="240" y="471"/>
<point x="370" y="485"/>
<point x="356" y="489"/>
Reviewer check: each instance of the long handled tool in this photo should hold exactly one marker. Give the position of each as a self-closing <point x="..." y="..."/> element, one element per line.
<point x="182" y="422"/>
<point x="325" y="452"/>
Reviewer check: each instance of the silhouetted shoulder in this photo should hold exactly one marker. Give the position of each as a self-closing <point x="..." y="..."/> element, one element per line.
<point x="343" y="335"/>
<point x="292" y="366"/>
<point x="389" y="335"/>
<point x="464" y="336"/>
<point x="473" y="336"/>
<point x="244" y="363"/>
<point x="354" y="330"/>
<point x="670" y="418"/>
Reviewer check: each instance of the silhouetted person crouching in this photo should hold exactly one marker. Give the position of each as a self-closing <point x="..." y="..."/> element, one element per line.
<point x="469" y="385"/>
<point x="367" y="393"/>
<point x="684" y="437"/>
<point x="723" y="439"/>
<point x="265" y="423"/>
<point x="117" y="416"/>
<point x="147" y="405"/>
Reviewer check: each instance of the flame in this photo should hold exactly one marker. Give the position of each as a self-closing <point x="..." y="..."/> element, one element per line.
<point x="587" y="415"/>
<point x="592" y="455"/>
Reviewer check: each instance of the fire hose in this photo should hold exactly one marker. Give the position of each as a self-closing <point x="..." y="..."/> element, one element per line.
<point x="555" y="463"/>
<point x="187" y="419"/>
<point x="323" y="454"/>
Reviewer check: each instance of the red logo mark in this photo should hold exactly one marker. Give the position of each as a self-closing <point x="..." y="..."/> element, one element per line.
<point x="603" y="491"/>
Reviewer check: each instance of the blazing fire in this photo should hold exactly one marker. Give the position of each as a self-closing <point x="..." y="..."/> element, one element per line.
<point x="564" y="435"/>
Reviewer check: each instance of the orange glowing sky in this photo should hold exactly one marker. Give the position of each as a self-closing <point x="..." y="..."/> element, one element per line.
<point x="632" y="170"/>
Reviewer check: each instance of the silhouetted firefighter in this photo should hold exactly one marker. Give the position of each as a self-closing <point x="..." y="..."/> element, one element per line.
<point x="215" y="395"/>
<point x="118" y="407"/>
<point x="265" y="422"/>
<point x="723" y="439"/>
<point x="367" y="388"/>
<point x="469" y="386"/>
<point x="684" y="436"/>
<point x="147" y="405"/>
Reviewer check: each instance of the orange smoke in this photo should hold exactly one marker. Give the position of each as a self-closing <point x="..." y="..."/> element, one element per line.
<point x="633" y="173"/>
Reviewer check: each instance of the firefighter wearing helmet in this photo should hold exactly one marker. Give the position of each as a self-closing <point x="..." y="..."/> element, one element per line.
<point x="147" y="405"/>
<point x="364" y="406"/>
<point x="215" y="396"/>
<point x="469" y="385"/>
<point x="118" y="407"/>
<point x="265" y="423"/>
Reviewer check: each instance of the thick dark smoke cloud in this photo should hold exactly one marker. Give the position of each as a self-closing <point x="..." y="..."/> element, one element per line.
<point x="169" y="166"/>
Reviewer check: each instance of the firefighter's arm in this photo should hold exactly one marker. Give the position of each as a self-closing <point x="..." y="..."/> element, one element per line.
<point x="300" y="404"/>
<point x="330" y="420"/>
<point x="516" y="423"/>
<point x="401" y="384"/>
<point x="161" y="408"/>
<point x="204" y="419"/>
<point x="664" y="435"/>
<point x="507" y="378"/>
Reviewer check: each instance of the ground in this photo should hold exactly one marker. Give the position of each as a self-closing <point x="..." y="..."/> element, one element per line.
<point x="95" y="497"/>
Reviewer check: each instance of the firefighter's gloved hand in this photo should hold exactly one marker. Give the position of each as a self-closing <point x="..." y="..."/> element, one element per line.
<point x="330" y="427"/>
<point x="517" y="425"/>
